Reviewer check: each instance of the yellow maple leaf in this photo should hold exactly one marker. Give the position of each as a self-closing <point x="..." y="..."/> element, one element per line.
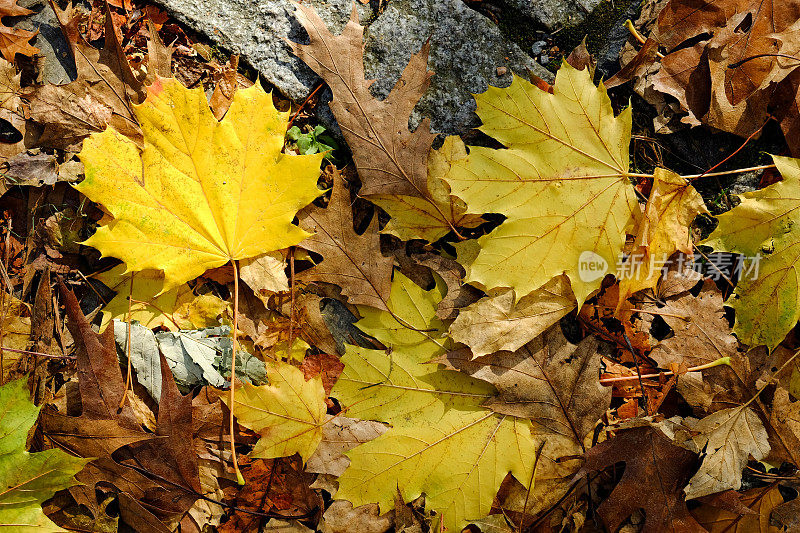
<point x="178" y="308"/>
<point x="663" y="230"/>
<point x="561" y="181"/>
<point x="201" y="193"/>
<point x="442" y="442"/>
<point x="288" y="413"/>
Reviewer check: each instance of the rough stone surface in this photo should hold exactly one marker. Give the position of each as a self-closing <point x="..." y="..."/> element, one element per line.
<point x="466" y="48"/>
<point x="466" y="51"/>
<point x="554" y="14"/>
<point x="56" y="64"/>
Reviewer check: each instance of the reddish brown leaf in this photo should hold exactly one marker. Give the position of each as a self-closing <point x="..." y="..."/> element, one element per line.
<point x="103" y="430"/>
<point x="655" y="473"/>
<point x="277" y="485"/>
<point x="14" y="41"/>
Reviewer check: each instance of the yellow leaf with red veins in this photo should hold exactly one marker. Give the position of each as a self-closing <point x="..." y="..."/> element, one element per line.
<point x="561" y="180"/>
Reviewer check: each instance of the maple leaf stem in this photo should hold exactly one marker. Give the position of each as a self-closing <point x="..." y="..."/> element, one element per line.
<point x="291" y="301"/>
<point x="638" y="36"/>
<point x="128" y="384"/>
<point x="239" y="477"/>
<point x="718" y="362"/>
<point x="708" y="174"/>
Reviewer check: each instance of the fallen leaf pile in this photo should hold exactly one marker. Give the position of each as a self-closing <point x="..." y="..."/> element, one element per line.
<point x="518" y="330"/>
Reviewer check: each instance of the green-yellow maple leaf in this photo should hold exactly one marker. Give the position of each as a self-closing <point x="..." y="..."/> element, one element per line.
<point x="288" y="413"/>
<point x="561" y="181"/>
<point x="442" y="442"/>
<point x="202" y="192"/>
<point x="764" y="224"/>
<point x="28" y="479"/>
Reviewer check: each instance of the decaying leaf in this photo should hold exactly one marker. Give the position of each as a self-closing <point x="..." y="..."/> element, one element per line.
<point x="352" y="261"/>
<point x="503" y="322"/>
<point x="14" y="41"/>
<point x="702" y="333"/>
<point x="562" y="185"/>
<point x="101" y="96"/>
<point x="549" y="380"/>
<point x="390" y="159"/>
<point x="103" y="428"/>
<point x="187" y="204"/>
<point x="265" y="274"/>
<point x="433" y="218"/>
<point x="727" y="438"/>
<point x="761" y="502"/>
<point x="339" y="435"/>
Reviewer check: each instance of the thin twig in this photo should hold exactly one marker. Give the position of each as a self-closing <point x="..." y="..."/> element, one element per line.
<point x="291" y="303"/>
<point x="750" y="138"/>
<point x="721" y="273"/>
<point x="718" y="362"/>
<point x="40" y="354"/>
<point x="638" y="373"/>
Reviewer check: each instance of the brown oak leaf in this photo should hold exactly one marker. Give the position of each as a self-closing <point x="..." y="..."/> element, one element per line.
<point x="655" y="473"/>
<point x="104" y="430"/>
<point x="352" y="261"/>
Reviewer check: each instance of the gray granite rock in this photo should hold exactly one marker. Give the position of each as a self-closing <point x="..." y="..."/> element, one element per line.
<point x="554" y="14"/>
<point x="468" y="53"/>
<point x="466" y="48"/>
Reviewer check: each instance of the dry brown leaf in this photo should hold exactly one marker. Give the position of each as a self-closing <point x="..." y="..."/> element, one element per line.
<point x="390" y="159"/>
<point x="104" y="428"/>
<point x="101" y="96"/>
<point x="655" y="472"/>
<point x="496" y="322"/>
<point x="458" y="294"/>
<point x="352" y="261"/>
<point x="340" y="434"/>
<point x="702" y="333"/>
<point x="341" y="517"/>
<point x="14" y="41"/>
<point x="549" y="380"/>
<point x="760" y="502"/>
<point x="265" y="274"/>
<point x="721" y="61"/>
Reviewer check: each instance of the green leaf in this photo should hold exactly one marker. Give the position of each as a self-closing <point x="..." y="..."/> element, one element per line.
<point x="28" y="479"/>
